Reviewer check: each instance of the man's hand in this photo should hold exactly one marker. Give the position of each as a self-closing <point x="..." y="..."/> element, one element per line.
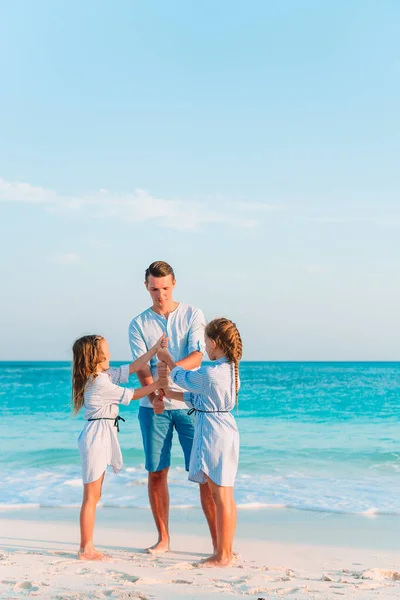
<point x="158" y="403"/>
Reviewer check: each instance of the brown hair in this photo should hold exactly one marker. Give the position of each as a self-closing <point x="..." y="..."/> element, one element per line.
<point x="86" y="356"/>
<point x="227" y="337"/>
<point x="159" y="268"/>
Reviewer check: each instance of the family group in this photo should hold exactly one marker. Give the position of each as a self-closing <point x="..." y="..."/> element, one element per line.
<point x="177" y="393"/>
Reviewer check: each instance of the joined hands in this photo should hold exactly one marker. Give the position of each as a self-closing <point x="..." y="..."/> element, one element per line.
<point x="163" y="373"/>
<point x="158" y="403"/>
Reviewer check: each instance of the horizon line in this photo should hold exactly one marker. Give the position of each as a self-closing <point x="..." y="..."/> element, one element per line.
<point x="14" y="361"/>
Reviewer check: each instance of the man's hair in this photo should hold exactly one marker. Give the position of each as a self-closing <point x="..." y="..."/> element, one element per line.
<point x="159" y="268"/>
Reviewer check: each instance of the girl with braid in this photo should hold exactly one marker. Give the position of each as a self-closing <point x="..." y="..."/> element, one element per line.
<point x="212" y="392"/>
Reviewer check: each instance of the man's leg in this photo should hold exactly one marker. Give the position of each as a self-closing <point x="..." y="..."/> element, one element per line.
<point x="157" y="441"/>
<point x="159" y="502"/>
<point x="184" y="425"/>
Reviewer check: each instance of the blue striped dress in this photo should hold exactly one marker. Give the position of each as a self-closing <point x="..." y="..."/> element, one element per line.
<point x="215" y="451"/>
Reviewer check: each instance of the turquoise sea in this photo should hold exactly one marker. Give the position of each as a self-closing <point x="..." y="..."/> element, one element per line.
<point x="314" y="436"/>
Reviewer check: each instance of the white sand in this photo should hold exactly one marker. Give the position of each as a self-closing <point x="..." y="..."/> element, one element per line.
<point x="38" y="559"/>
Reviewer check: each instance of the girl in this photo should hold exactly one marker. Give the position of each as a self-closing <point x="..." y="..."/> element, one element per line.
<point x="95" y="386"/>
<point x="213" y="392"/>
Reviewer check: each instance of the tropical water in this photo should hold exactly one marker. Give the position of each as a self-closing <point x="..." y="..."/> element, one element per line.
<point x="314" y="436"/>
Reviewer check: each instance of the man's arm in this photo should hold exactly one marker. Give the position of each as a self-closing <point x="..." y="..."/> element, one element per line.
<point x="145" y="378"/>
<point x="195" y="342"/>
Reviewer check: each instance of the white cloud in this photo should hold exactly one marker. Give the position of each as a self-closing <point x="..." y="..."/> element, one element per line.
<point x="24" y="192"/>
<point x="259" y="206"/>
<point x="66" y="259"/>
<point x="329" y="220"/>
<point x="138" y="207"/>
<point x="312" y="269"/>
<point x="250" y="223"/>
<point x="391" y="220"/>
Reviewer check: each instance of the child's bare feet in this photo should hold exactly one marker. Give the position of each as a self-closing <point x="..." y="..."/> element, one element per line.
<point x="161" y="547"/>
<point x="216" y="560"/>
<point x="91" y="554"/>
<point x="235" y="555"/>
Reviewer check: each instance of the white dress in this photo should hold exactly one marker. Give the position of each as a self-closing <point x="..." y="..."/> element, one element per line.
<point x="98" y="442"/>
<point x="211" y="392"/>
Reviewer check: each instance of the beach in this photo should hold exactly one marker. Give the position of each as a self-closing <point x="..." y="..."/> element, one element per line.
<point x="295" y="554"/>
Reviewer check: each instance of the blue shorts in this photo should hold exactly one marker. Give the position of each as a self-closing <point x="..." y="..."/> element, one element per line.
<point x="157" y="431"/>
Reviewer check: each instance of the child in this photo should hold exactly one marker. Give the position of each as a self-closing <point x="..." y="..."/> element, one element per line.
<point x="96" y="387"/>
<point x="212" y="392"/>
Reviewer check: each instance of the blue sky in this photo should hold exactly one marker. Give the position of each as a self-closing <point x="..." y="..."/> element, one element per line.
<point x="253" y="145"/>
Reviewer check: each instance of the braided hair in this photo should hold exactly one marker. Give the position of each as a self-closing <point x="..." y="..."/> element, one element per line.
<point x="227" y="337"/>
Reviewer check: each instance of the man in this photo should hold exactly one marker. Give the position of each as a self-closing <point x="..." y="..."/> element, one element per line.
<point x="184" y="327"/>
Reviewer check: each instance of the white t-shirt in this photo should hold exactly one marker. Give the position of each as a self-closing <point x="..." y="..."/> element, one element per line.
<point x="185" y="331"/>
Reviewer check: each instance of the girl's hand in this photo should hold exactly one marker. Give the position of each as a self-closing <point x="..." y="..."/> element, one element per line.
<point x="142" y="362"/>
<point x="161" y="343"/>
<point x="163" y="355"/>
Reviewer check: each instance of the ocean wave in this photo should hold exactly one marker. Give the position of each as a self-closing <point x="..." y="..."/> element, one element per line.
<point x="257" y="506"/>
<point x="15" y="506"/>
<point x="314" y="436"/>
<point x="62" y="487"/>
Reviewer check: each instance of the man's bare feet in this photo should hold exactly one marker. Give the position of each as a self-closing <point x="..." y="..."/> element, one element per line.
<point x="216" y="561"/>
<point x="160" y="547"/>
<point x="91" y="554"/>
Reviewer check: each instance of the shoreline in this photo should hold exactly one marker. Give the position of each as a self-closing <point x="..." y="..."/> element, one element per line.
<point x="313" y="558"/>
<point x="284" y="525"/>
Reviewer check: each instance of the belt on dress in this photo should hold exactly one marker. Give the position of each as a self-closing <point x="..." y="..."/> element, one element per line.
<point x="115" y="419"/>
<point x="192" y="410"/>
